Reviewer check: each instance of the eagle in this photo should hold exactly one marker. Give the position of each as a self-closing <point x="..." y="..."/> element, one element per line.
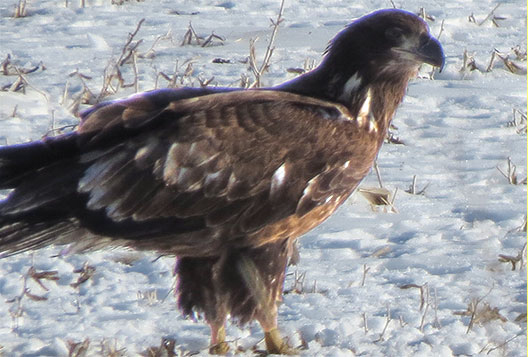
<point x="223" y="179"/>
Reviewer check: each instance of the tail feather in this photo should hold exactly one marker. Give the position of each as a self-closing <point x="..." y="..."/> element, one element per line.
<point x="23" y="235"/>
<point x="18" y="162"/>
<point x="35" y="214"/>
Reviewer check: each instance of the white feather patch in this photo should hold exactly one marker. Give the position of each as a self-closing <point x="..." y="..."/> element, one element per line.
<point x="278" y="179"/>
<point x="351" y="85"/>
<point x="92" y="176"/>
<point x="170" y="168"/>
<point x="372" y="125"/>
<point x="365" y="107"/>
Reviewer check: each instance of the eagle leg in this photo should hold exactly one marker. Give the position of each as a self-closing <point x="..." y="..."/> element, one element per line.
<point x="275" y="344"/>
<point x="264" y="278"/>
<point x="218" y="344"/>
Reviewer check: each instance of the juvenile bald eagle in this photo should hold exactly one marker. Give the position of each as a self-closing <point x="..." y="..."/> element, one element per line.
<point x="222" y="179"/>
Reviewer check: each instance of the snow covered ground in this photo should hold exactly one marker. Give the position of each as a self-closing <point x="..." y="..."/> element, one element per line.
<point x="357" y="289"/>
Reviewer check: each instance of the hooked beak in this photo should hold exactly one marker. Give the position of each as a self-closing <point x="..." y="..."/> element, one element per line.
<point x="430" y="52"/>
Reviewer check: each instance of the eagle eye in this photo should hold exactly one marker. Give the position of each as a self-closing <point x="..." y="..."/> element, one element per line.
<point x="394" y="33"/>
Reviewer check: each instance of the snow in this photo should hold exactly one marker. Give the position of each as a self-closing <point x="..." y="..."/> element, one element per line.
<point x="353" y="267"/>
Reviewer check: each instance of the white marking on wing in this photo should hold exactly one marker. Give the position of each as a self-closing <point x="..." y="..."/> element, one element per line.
<point x="171" y="167"/>
<point x="308" y="188"/>
<point x="92" y="176"/>
<point x="350" y="86"/>
<point x="212" y="176"/>
<point x="372" y="125"/>
<point x="307" y="192"/>
<point x="365" y="108"/>
<point x="141" y="153"/>
<point x="278" y="179"/>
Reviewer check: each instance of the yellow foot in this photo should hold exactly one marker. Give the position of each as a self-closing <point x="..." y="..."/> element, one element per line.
<point x="218" y="344"/>
<point x="276" y="345"/>
<point x="220" y="348"/>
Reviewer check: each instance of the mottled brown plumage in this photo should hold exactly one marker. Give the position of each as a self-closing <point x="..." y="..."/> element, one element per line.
<point x="223" y="179"/>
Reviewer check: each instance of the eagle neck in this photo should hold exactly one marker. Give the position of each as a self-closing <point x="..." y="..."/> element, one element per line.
<point x="352" y="87"/>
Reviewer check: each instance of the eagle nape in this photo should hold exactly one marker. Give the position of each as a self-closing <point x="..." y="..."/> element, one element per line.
<point x="223" y="179"/>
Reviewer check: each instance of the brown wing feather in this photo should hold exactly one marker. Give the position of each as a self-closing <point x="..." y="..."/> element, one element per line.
<point x="241" y="161"/>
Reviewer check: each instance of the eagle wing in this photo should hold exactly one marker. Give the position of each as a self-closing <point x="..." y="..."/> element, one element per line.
<point x="208" y="170"/>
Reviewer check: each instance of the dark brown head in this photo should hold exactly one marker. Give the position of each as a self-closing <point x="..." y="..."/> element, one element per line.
<point x="393" y="40"/>
<point x="368" y="65"/>
<point x="379" y="50"/>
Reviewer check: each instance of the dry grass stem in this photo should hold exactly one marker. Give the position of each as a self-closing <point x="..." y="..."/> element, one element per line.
<point x="21" y="83"/>
<point x="511" y="173"/>
<point x="25" y="80"/>
<point x="113" y="73"/>
<point x="37" y="276"/>
<point x="508" y="63"/>
<point x="422" y="289"/>
<point x="502" y="345"/>
<point x="85" y="96"/>
<point x="521" y="317"/>
<point x="364" y="277"/>
<point x="259" y="70"/>
<point x="387" y="321"/>
<point x="150" y="296"/>
<point x="8" y="68"/>
<point x="151" y="52"/>
<point x="492" y="13"/>
<point x="87" y="271"/>
<point x="177" y="78"/>
<point x="412" y="188"/>
<point x="376" y="196"/>
<point x="480" y="315"/>
<point x="60" y="130"/>
<point x="191" y="35"/>
<point x="514" y="260"/>
<point x="20" y="9"/>
<point x="518" y="121"/>
<point x="212" y="40"/>
<point x="165" y="349"/>
<point x="425" y="303"/>
<point x="379" y="197"/>
<point x="510" y="259"/>
<point x="422" y="321"/>
<point x="298" y="283"/>
<point x="520" y="54"/>
<point x="390" y="138"/>
<point x="425" y="15"/>
<point x="16" y="311"/>
<point x="469" y="64"/>
<point x="436" y="322"/>
<point x="299" y="287"/>
<point x="109" y="349"/>
<point x="78" y="349"/>
<point x="365" y="325"/>
<point x="378" y="173"/>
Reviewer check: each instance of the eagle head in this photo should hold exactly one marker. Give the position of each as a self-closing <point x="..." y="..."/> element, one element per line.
<point x="371" y="61"/>
<point x="384" y="41"/>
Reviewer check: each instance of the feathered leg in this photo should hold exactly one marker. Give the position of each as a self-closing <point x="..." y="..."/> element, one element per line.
<point x="263" y="275"/>
<point x="198" y="290"/>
